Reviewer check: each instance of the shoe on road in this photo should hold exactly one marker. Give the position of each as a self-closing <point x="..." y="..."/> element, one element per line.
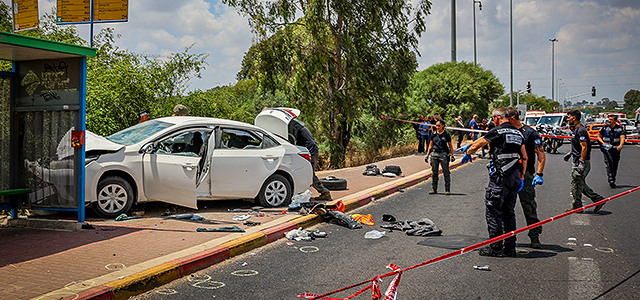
<point x="509" y="252"/>
<point x="433" y="192"/>
<point x="598" y="207"/>
<point x="324" y="196"/>
<point x="447" y="193"/>
<point x="535" y="243"/>
<point x="612" y="184"/>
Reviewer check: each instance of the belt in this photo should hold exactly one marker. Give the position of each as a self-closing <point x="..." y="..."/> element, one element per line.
<point x="440" y="151"/>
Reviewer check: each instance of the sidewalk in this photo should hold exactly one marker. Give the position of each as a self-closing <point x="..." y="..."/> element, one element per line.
<point x="120" y="259"/>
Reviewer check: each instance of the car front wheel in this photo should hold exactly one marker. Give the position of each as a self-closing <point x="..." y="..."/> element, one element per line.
<point x="275" y="192"/>
<point x="115" y="197"/>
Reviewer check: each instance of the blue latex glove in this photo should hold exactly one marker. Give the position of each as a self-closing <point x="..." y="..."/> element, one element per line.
<point x="607" y="146"/>
<point x="537" y="180"/>
<point x="521" y="184"/>
<point x="466" y="158"/>
<point x="580" y="167"/>
<point x="464" y="148"/>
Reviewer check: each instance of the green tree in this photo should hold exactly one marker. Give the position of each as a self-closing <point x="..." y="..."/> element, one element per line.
<point x="631" y="101"/>
<point x="533" y="101"/>
<point x="455" y="88"/>
<point x="336" y="60"/>
<point x="121" y="83"/>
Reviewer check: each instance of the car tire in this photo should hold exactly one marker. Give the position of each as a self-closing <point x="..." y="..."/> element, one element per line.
<point x="334" y="183"/>
<point x="115" y="197"/>
<point x="276" y="191"/>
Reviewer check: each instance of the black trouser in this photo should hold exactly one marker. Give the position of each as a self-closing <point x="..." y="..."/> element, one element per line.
<point x="500" y="201"/>
<point x="461" y="135"/>
<point x="611" y="159"/>
<point x="421" y="143"/>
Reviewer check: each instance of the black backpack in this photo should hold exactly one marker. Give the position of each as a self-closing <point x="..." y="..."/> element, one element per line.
<point x="371" y="170"/>
<point x="392" y="169"/>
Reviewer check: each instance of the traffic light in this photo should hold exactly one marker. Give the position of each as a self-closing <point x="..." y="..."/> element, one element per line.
<point x="593" y="91"/>
<point x="529" y="87"/>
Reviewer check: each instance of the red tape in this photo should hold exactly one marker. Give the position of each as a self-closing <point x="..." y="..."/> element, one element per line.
<point x="398" y="271"/>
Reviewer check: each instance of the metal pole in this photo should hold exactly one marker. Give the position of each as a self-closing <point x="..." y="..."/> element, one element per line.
<point x="553" y="40"/>
<point x="475" y="59"/>
<point x="511" y="47"/>
<point x="453" y="30"/>
<point x="91" y="16"/>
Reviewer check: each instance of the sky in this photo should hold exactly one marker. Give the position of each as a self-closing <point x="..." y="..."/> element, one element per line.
<point x="598" y="41"/>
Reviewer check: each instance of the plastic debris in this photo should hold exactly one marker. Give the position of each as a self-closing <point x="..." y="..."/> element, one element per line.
<point x="483" y="268"/>
<point x="241" y="217"/>
<point x="233" y="228"/>
<point x="388" y="218"/>
<point x="298" y="235"/>
<point x="374" y="234"/>
<point x="183" y="216"/>
<point x="301" y="197"/>
<point x="197" y="218"/>
<point x="124" y="217"/>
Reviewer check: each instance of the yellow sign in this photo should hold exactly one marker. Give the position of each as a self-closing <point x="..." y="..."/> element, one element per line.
<point x="73" y="11"/>
<point x="110" y="10"/>
<point x="25" y="15"/>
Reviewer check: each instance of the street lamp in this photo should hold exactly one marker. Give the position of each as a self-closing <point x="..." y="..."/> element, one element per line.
<point x="475" y="59"/>
<point x="558" y="88"/>
<point x="553" y="41"/>
<point x="511" y="50"/>
<point x="453" y="30"/>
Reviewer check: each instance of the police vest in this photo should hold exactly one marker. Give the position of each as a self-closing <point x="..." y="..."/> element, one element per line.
<point x="506" y="149"/>
<point x="612" y="135"/>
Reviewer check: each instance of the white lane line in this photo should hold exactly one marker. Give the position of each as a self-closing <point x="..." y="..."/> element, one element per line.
<point x="584" y="279"/>
<point x="580" y="219"/>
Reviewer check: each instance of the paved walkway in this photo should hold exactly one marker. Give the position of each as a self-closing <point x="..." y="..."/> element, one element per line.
<point x="119" y="259"/>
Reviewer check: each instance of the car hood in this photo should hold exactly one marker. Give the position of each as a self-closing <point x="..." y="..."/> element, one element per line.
<point x="92" y="143"/>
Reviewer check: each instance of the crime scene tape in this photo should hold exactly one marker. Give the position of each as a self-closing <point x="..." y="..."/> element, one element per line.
<point x="374" y="282"/>
<point x="484" y="131"/>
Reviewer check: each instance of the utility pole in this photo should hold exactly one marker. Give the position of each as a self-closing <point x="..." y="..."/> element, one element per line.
<point x="453" y="30"/>
<point x="553" y="41"/>
<point x="511" y="47"/>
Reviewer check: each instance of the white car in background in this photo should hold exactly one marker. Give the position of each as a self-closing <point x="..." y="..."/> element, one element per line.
<point x="180" y="160"/>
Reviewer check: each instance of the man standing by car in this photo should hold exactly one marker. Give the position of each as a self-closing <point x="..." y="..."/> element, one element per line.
<point x="611" y="138"/>
<point x="533" y="145"/>
<point x="581" y="152"/>
<point x="506" y="178"/>
<point x="303" y="137"/>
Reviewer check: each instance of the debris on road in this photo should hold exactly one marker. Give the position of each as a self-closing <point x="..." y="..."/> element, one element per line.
<point x="364" y="219"/>
<point x="388" y="218"/>
<point x="423" y="227"/>
<point x="124" y="217"/>
<point x="241" y="217"/>
<point x="298" y="235"/>
<point x="374" y="234"/>
<point x="233" y="228"/>
<point x="483" y="268"/>
<point x="250" y="223"/>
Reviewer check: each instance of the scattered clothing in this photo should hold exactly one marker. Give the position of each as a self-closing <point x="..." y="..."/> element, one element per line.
<point x="233" y="228"/>
<point x="423" y="227"/>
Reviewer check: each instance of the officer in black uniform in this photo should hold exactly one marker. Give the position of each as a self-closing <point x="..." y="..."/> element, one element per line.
<point x="506" y="178"/>
<point x="441" y="152"/>
<point x="300" y="135"/>
<point x="581" y="152"/>
<point x="611" y="138"/>
<point x="527" y="195"/>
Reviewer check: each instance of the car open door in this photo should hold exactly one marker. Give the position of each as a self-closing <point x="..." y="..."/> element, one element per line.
<point x="171" y="171"/>
<point x="241" y="163"/>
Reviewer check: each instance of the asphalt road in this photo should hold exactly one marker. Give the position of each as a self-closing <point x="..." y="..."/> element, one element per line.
<point x="585" y="256"/>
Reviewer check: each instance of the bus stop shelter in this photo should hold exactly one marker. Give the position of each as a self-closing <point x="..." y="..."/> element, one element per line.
<point x="42" y="121"/>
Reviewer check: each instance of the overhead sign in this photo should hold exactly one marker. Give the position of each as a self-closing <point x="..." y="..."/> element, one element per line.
<point x="73" y="11"/>
<point x="110" y="10"/>
<point x="25" y="15"/>
<point x="70" y="11"/>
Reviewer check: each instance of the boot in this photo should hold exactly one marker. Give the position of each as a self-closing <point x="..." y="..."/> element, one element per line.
<point x="535" y="242"/>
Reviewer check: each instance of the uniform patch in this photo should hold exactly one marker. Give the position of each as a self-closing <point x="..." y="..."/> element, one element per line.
<point x="582" y="138"/>
<point x="513" y="139"/>
<point x="538" y="142"/>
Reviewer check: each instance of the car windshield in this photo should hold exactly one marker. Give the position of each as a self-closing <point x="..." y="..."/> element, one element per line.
<point x="138" y="132"/>
<point x="531" y="121"/>
<point x="550" y="120"/>
<point x="625" y="122"/>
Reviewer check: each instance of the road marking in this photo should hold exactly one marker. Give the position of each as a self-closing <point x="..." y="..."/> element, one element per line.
<point x="584" y="279"/>
<point x="580" y="219"/>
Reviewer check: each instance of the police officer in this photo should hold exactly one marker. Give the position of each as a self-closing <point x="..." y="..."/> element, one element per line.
<point x="441" y="151"/>
<point x="301" y="136"/>
<point x="611" y="137"/>
<point x="506" y="178"/>
<point x="581" y="152"/>
<point x="533" y="145"/>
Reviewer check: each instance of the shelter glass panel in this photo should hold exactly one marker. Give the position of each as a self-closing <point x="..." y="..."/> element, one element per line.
<point x="5" y="133"/>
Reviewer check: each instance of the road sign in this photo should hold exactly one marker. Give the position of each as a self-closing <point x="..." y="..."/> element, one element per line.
<point x="25" y="15"/>
<point x="73" y="11"/>
<point x="110" y="10"/>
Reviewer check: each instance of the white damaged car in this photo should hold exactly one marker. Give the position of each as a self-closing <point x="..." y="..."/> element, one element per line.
<point x="180" y="160"/>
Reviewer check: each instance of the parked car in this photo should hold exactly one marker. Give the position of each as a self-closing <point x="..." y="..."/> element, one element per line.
<point x="180" y="160"/>
<point x="594" y="130"/>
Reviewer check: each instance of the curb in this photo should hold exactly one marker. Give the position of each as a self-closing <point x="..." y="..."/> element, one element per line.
<point x="164" y="273"/>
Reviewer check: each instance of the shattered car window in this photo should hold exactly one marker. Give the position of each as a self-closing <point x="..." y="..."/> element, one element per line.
<point x="138" y="132"/>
